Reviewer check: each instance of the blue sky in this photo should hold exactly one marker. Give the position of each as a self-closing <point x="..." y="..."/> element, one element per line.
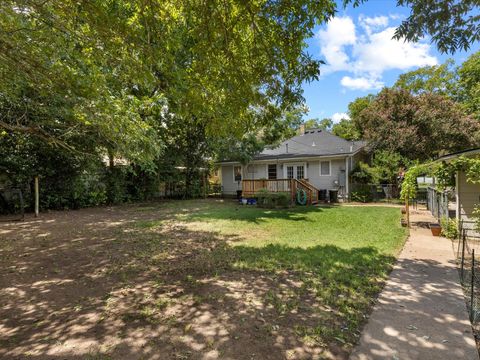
<point x="362" y="58"/>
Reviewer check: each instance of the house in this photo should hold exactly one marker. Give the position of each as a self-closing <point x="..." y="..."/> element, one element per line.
<point x="314" y="160"/>
<point x="467" y="195"/>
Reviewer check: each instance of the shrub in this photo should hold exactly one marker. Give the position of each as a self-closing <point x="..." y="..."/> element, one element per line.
<point x="476" y="216"/>
<point x="449" y="228"/>
<point x="362" y="193"/>
<point x="272" y="200"/>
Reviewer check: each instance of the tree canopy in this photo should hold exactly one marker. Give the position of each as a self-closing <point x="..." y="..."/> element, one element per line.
<point x="451" y="24"/>
<point x="417" y="127"/>
<point x="440" y="79"/>
<point x="115" y="69"/>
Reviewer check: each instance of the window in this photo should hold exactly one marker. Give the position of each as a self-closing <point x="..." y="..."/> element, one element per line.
<point x="289" y="172"/>
<point x="237" y="173"/>
<point x="300" y="172"/>
<point x="324" y="168"/>
<point x="272" y="171"/>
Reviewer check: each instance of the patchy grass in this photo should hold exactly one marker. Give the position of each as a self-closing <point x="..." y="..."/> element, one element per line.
<point x="196" y="279"/>
<point x="339" y="254"/>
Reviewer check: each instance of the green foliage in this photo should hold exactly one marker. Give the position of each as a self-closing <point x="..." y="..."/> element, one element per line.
<point x="476" y="216"/>
<point x="384" y="169"/>
<point x="356" y="107"/>
<point x="416" y="127"/>
<point x="269" y="199"/>
<point x="362" y="193"/>
<point x="445" y="172"/>
<point x="449" y="228"/>
<point x="324" y="124"/>
<point x="440" y="79"/>
<point x="409" y="184"/>
<point x="346" y="129"/>
<point x="243" y="150"/>
<point x="469" y="84"/>
<point x="92" y="69"/>
<point x="452" y="24"/>
<point x="363" y="174"/>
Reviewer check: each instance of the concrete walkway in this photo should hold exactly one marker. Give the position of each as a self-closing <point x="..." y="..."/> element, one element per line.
<point x="421" y="313"/>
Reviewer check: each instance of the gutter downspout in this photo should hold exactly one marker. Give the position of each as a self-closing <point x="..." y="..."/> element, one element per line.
<point x="347" y="173"/>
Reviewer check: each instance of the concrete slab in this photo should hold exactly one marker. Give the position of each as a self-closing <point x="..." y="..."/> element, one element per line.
<point x="421" y="313"/>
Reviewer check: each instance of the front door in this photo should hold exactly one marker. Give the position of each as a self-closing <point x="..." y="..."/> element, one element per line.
<point x="295" y="171"/>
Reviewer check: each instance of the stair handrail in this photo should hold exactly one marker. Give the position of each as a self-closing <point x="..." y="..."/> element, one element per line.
<point x="309" y="189"/>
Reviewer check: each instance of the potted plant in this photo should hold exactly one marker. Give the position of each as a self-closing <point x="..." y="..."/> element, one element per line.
<point x="436" y="229"/>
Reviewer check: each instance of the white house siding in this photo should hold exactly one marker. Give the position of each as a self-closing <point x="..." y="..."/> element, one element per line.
<point x="229" y="186"/>
<point x="325" y="182"/>
<point x="468" y="196"/>
<point x="251" y="171"/>
<point x="312" y="172"/>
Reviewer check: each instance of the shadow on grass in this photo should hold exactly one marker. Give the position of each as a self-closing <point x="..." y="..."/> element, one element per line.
<point x="73" y="288"/>
<point x="253" y="214"/>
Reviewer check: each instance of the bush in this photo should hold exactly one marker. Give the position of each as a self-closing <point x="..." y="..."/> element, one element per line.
<point x="449" y="228"/>
<point x="476" y="217"/>
<point x="272" y="200"/>
<point x="362" y="193"/>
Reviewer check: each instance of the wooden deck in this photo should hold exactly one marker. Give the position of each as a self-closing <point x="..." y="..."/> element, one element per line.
<point x="251" y="187"/>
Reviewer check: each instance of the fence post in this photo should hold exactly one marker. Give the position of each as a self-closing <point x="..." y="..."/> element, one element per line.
<point x="463" y="258"/>
<point x="472" y="287"/>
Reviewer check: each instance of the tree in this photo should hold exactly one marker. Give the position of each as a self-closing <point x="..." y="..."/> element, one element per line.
<point x="452" y="24"/>
<point x="346" y="129"/>
<point x="469" y="84"/>
<point x="315" y="123"/>
<point x="356" y="107"/>
<point x="233" y="66"/>
<point x="439" y="79"/>
<point x="417" y="127"/>
<point x="384" y="168"/>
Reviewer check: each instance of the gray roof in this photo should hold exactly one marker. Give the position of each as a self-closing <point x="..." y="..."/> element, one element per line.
<point x="315" y="142"/>
<point x="469" y="152"/>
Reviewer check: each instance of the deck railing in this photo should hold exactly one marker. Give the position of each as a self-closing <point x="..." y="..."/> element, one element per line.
<point x="251" y="187"/>
<point x="312" y="191"/>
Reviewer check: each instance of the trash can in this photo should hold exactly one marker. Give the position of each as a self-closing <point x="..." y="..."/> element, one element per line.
<point x="322" y="195"/>
<point x="239" y="194"/>
<point x="333" y="196"/>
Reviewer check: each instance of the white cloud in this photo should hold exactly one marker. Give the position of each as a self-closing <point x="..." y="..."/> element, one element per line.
<point x="339" y="116"/>
<point x="340" y="32"/>
<point x="367" y="51"/>
<point x="361" y="83"/>
<point x="371" y="23"/>
<point x="380" y="53"/>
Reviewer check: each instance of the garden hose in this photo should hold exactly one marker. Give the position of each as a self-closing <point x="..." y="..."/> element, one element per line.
<point x="301" y="197"/>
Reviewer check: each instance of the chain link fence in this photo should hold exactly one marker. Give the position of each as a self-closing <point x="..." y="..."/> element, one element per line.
<point x="467" y="251"/>
<point x="374" y="192"/>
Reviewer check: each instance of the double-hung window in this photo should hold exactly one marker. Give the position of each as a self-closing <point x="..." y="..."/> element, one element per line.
<point x="324" y="168"/>
<point x="272" y="171"/>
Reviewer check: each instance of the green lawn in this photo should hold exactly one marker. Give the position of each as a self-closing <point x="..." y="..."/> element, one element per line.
<point x="341" y="255"/>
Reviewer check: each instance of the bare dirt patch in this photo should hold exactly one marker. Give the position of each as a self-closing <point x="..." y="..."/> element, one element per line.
<point x="131" y="282"/>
